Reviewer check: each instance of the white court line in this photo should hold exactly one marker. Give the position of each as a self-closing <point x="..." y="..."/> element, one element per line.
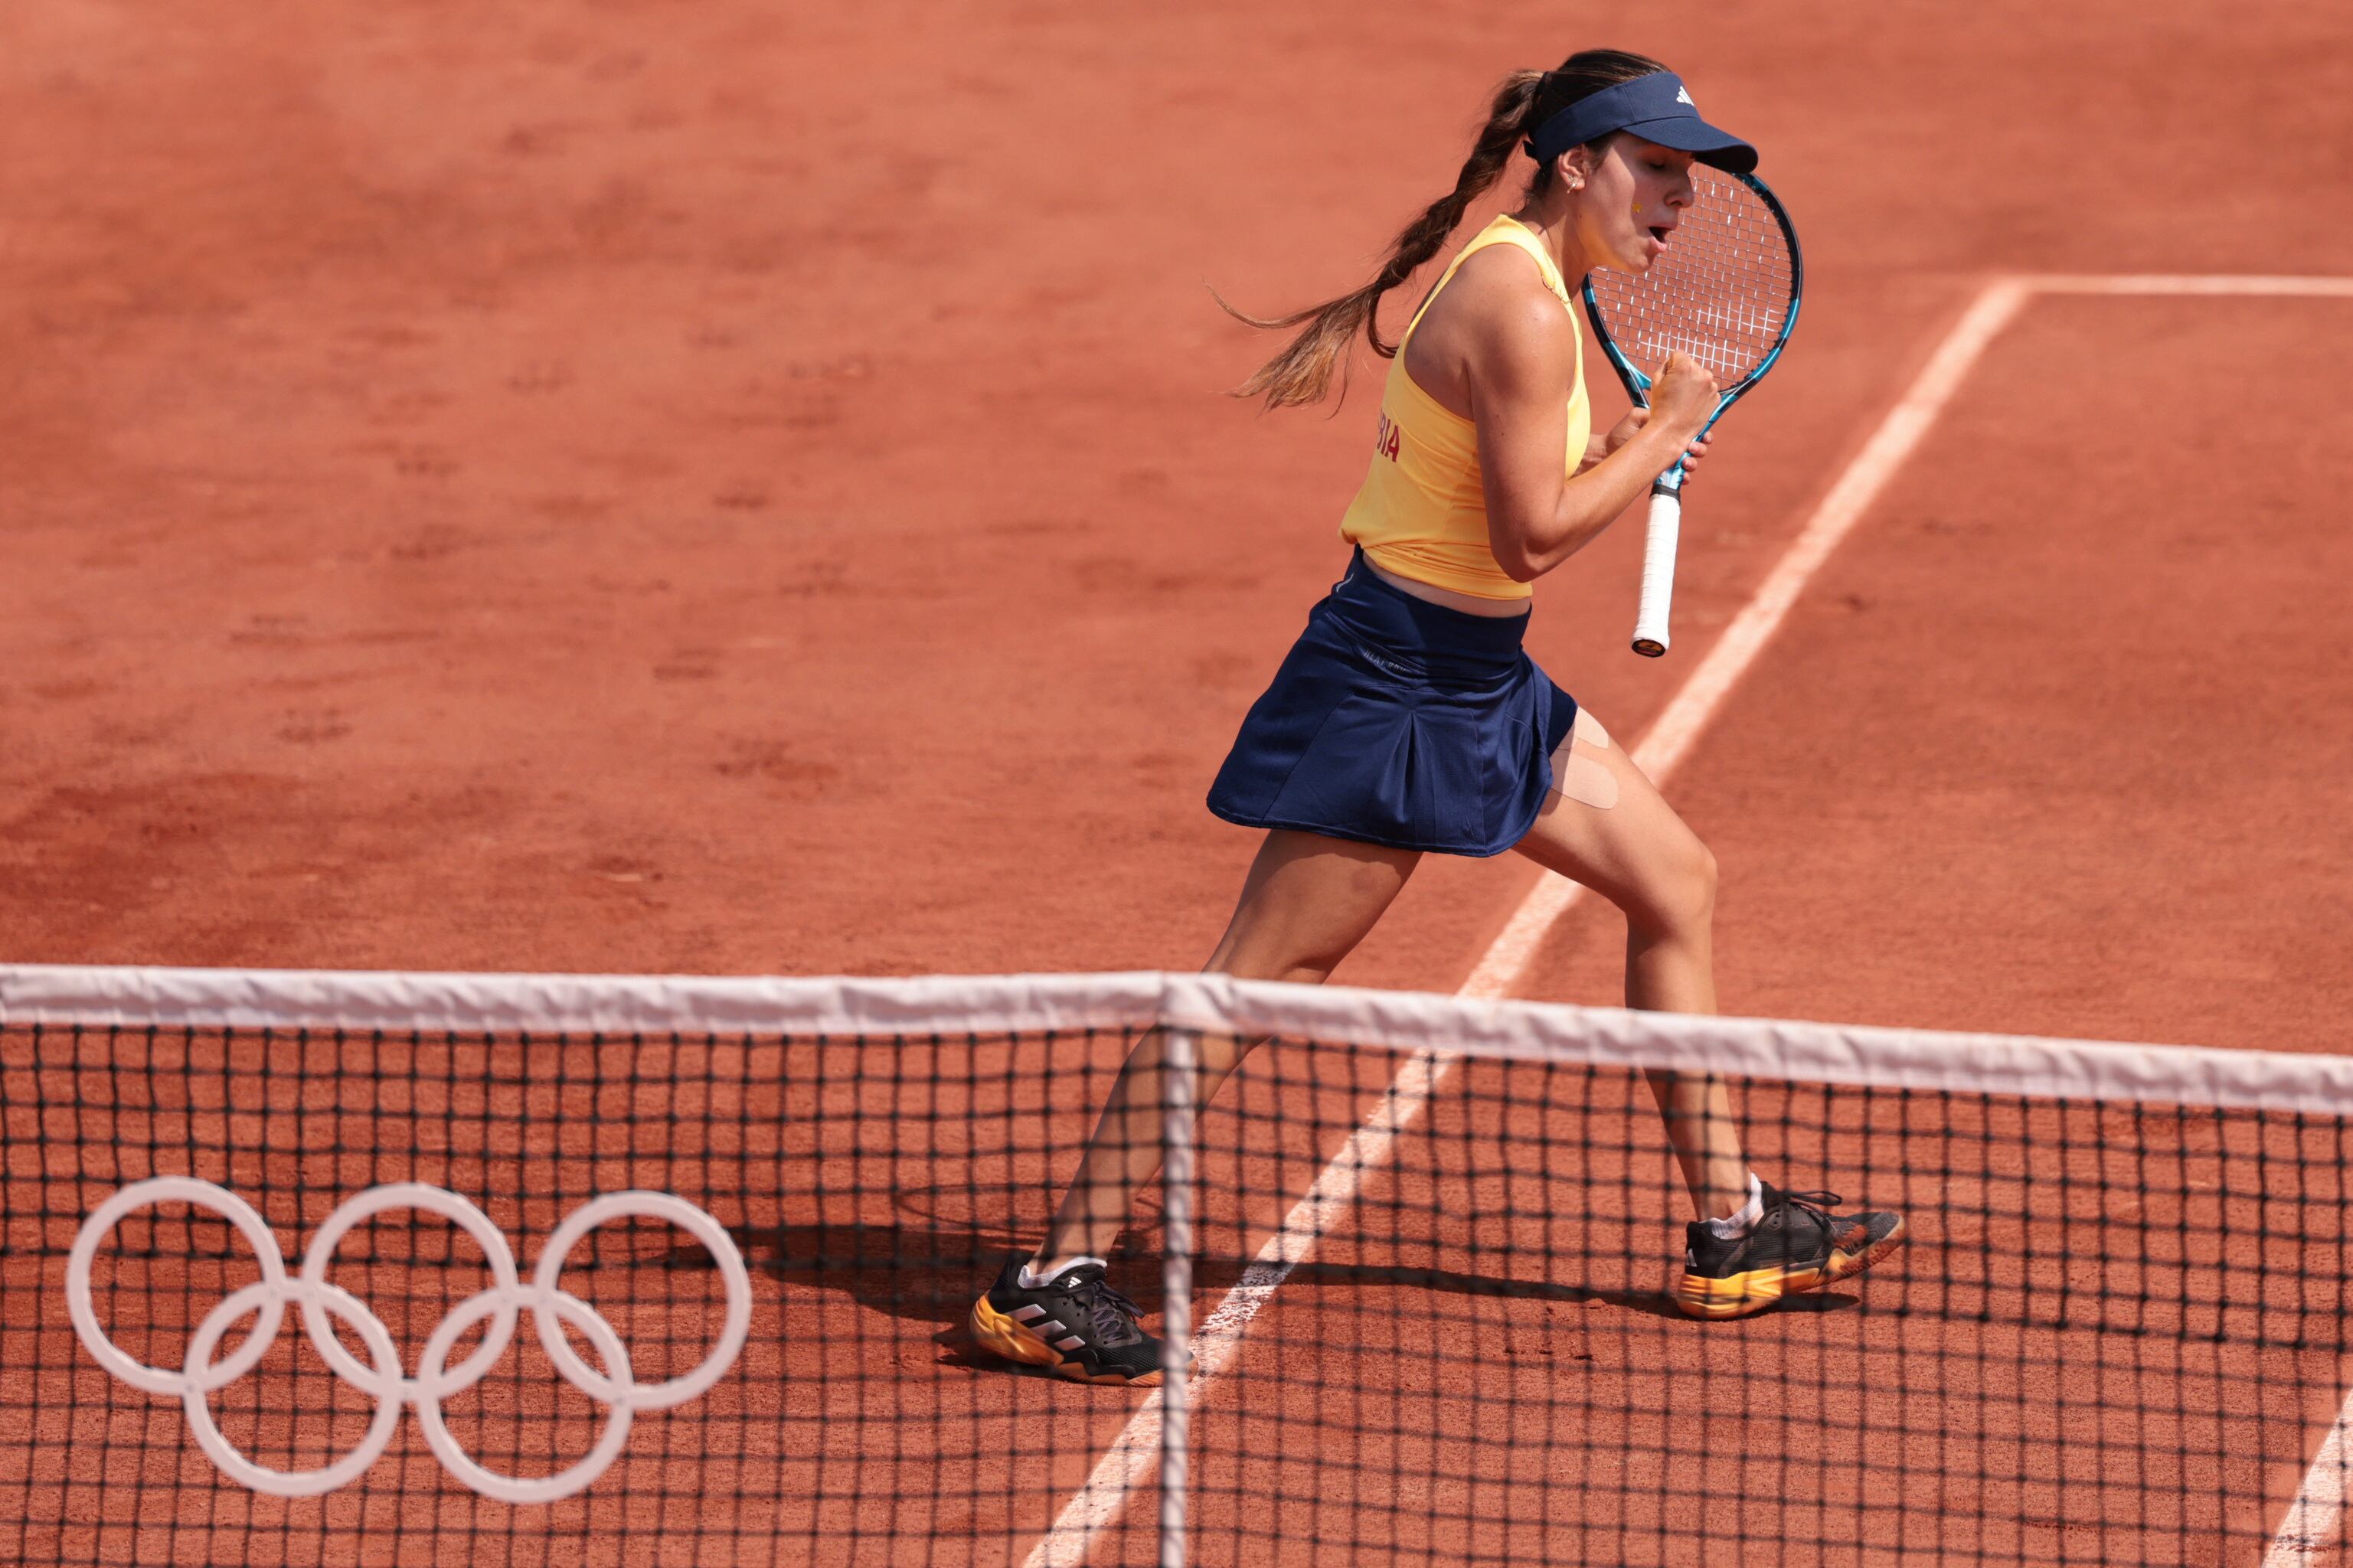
<point x="2312" y="1516"/>
<point x="1135" y="1453"/>
<point x="2309" y="1529"/>
<point x="2179" y="283"/>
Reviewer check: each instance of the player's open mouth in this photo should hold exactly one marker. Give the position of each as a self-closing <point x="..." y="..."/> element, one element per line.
<point x="1659" y="232"/>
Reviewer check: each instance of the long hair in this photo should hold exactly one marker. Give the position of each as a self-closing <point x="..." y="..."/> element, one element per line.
<point x="1301" y="373"/>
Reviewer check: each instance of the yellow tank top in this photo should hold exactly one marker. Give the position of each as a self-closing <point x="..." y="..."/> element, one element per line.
<point x="1422" y="510"/>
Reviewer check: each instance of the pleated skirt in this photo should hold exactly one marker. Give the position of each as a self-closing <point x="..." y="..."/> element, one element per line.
<point x="1397" y="721"/>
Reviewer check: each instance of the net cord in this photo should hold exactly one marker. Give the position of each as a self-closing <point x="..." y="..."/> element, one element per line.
<point x="291" y="1001"/>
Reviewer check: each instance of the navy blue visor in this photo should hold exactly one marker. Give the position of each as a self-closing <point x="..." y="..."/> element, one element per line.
<point x="1657" y="108"/>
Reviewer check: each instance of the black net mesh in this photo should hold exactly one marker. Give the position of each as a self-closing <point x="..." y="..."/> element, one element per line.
<point x="1432" y="1310"/>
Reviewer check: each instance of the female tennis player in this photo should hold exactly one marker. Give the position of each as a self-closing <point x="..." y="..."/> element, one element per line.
<point x="1406" y="720"/>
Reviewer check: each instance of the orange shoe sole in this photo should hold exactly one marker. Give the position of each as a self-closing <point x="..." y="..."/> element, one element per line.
<point x="1739" y="1295"/>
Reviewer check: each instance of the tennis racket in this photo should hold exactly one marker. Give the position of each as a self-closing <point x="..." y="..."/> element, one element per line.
<point x="1725" y="291"/>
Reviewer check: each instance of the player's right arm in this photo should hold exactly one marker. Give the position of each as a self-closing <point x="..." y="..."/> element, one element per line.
<point x="1520" y="359"/>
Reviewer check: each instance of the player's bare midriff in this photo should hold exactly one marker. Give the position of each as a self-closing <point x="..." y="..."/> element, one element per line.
<point x="1468" y="603"/>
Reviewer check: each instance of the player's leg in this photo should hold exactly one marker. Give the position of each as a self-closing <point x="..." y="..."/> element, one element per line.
<point x="1307" y="903"/>
<point x="1607" y="827"/>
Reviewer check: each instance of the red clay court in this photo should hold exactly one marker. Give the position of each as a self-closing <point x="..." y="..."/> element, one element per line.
<point x="599" y="488"/>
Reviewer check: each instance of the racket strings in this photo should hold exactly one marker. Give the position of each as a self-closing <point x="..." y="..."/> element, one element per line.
<point x="1720" y="292"/>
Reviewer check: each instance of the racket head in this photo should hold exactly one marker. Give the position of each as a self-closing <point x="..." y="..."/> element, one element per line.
<point x="1725" y="291"/>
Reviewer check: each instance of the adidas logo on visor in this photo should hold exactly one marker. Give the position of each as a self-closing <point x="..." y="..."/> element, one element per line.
<point x="1682" y="95"/>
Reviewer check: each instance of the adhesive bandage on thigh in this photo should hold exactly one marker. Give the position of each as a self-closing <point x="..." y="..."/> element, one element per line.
<point x="1578" y="770"/>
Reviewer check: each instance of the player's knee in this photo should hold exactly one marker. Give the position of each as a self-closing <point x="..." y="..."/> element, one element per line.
<point x="1309" y="966"/>
<point x="1680" y="897"/>
<point x="1697" y="885"/>
<point x="1704" y="870"/>
<point x="1312" y="969"/>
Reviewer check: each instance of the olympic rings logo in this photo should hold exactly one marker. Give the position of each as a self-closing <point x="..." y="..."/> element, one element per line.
<point x="200" y="1376"/>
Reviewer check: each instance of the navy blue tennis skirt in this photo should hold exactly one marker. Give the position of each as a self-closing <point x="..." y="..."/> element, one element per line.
<point x="1394" y="721"/>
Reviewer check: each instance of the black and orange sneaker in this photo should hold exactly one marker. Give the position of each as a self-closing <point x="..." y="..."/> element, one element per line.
<point x="1075" y="1324"/>
<point x="1795" y="1246"/>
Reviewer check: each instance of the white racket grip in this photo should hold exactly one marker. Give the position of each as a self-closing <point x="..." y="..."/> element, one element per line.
<point x="1658" y="572"/>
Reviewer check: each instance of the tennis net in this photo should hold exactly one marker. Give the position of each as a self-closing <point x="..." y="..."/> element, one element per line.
<point x="1424" y="1253"/>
